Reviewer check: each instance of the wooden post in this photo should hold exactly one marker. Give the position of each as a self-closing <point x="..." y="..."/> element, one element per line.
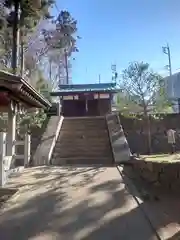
<point x="27" y="149"/>
<point x="2" y="156"/>
<point x="11" y="132"/>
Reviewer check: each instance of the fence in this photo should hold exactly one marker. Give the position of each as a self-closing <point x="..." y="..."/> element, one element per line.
<point x="6" y="162"/>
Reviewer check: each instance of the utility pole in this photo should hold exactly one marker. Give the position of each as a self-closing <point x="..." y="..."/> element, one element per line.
<point x="166" y="50"/>
<point x="99" y="78"/>
<point x="114" y="73"/>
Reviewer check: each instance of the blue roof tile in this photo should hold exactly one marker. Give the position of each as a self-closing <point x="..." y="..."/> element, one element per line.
<point x="88" y="87"/>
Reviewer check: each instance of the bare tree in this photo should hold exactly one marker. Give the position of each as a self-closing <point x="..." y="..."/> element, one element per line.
<point x="61" y="41"/>
<point x="50" y="47"/>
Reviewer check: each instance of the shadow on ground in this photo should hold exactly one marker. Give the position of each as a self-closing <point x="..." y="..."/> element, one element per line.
<point x="161" y="208"/>
<point x="46" y="175"/>
<point x="72" y="203"/>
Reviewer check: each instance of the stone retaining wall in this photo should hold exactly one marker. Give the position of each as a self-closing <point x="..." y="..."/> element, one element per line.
<point x="136" y="132"/>
<point x="119" y="144"/>
<point x="43" y="153"/>
<point x="164" y="175"/>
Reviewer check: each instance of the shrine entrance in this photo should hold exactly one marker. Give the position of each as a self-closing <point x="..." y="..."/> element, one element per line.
<point x="86" y="99"/>
<point x="80" y="108"/>
<point x="92" y="108"/>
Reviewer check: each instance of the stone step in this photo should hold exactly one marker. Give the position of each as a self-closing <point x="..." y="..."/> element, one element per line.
<point x="82" y="147"/>
<point x="82" y="160"/>
<point x="82" y="150"/>
<point x="82" y="141"/>
<point x="84" y="124"/>
<point x="76" y="152"/>
<point x="84" y="119"/>
<point x="91" y="132"/>
<point x="81" y="156"/>
<point x="83" y="128"/>
<point x="76" y="123"/>
<point x="93" y="158"/>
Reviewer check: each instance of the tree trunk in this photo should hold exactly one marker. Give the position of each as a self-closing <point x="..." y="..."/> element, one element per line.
<point x="15" y="37"/>
<point x="148" y="127"/>
<point x="149" y="135"/>
<point x="21" y="54"/>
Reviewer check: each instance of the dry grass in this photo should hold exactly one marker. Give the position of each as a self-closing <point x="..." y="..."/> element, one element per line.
<point x="162" y="157"/>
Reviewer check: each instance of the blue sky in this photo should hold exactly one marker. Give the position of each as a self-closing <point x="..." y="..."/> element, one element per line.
<point x="122" y="31"/>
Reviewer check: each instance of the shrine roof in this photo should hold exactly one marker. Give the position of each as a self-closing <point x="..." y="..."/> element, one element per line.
<point x="84" y="88"/>
<point x="20" y="90"/>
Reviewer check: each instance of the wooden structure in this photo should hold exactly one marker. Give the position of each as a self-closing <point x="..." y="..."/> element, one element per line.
<point x="6" y="161"/>
<point x="86" y="99"/>
<point x="16" y="95"/>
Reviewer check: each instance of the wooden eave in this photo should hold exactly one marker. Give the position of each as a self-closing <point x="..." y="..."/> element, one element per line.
<point x="20" y="89"/>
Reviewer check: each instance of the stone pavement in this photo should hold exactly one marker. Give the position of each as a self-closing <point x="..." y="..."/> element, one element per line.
<point x="72" y="203"/>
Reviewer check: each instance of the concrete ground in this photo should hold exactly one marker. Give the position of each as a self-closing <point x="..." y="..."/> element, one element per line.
<point x="72" y="203"/>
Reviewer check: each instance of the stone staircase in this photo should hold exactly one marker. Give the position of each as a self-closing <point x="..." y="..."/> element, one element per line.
<point x="83" y="140"/>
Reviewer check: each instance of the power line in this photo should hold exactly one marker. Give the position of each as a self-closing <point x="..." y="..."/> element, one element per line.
<point x="57" y="8"/>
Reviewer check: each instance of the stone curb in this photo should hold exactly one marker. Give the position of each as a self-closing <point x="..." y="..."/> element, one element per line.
<point x="136" y="195"/>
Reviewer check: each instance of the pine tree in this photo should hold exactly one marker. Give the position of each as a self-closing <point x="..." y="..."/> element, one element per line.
<point x="23" y="15"/>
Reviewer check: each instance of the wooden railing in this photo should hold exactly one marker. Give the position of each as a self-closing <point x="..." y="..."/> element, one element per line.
<point x="6" y="161"/>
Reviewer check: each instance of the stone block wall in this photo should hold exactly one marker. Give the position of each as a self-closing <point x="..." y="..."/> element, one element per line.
<point x="136" y="132"/>
<point x="163" y="175"/>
